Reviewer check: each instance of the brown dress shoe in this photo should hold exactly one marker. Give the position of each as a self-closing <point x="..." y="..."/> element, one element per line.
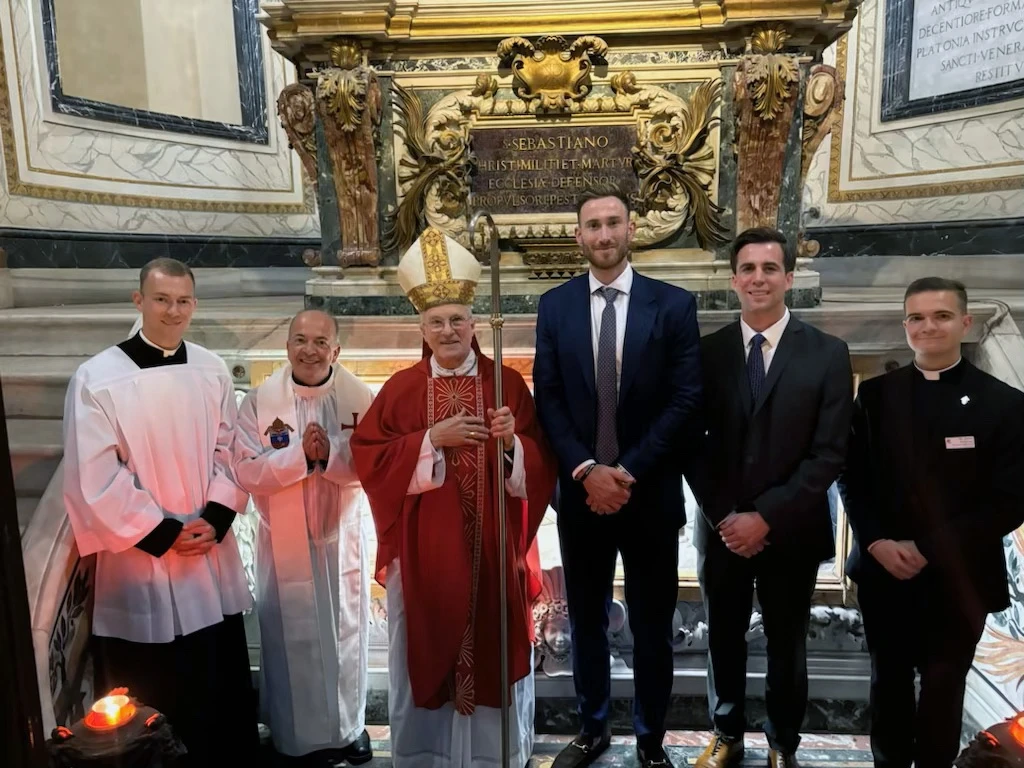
<point x="778" y="759"/>
<point x="722" y="752"/>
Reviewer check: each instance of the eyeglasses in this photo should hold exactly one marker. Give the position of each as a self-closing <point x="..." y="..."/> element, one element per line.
<point x="457" y="323"/>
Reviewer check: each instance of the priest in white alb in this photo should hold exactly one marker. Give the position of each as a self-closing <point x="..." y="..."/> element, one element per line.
<point x="426" y="454"/>
<point x="312" y="570"/>
<point x="148" y="429"/>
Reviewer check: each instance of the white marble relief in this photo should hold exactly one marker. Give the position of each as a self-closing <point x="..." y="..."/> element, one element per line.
<point x="111" y="153"/>
<point x="945" y="152"/>
<point x="260" y="175"/>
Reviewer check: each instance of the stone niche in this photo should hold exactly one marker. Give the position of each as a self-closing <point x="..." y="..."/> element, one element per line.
<point x="413" y="117"/>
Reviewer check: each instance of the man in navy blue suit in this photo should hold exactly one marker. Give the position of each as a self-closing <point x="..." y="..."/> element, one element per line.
<point x="618" y="386"/>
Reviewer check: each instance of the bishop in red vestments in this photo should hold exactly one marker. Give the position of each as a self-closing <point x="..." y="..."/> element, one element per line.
<point x="425" y="454"/>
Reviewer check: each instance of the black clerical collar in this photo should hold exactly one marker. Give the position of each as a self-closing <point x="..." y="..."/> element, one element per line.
<point x="148" y="356"/>
<point x="320" y="383"/>
<point x="950" y="375"/>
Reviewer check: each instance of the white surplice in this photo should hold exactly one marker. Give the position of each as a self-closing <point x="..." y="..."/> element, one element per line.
<point x="312" y="563"/>
<point x="142" y="445"/>
<point x="443" y="738"/>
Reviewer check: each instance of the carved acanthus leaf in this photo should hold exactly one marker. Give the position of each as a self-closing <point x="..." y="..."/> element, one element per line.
<point x="297" y="113"/>
<point x="770" y="80"/>
<point x="823" y="108"/>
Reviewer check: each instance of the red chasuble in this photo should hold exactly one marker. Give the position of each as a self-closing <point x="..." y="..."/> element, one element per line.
<point x="447" y="539"/>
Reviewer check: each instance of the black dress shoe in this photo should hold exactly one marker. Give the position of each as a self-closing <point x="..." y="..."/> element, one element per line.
<point x="653" y="757"/>
<point x="359" y="751"/>
<point x="582" y="751"/>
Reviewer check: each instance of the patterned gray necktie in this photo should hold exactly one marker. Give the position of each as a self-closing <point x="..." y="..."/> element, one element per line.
<point x="607" y="447"/>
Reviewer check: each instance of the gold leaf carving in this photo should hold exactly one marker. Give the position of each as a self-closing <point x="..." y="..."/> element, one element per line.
<point x="348" y="101"/>
<point x="770" y="79"/>
<point x="436" y="162"/>
<point x="823" y="109"/>
<point x="674" y="158"/>
<point x="676" y="163"/>
<point x="552" y="71"/>
<point x="297" y="113"/>
<point x="771" y="38"/>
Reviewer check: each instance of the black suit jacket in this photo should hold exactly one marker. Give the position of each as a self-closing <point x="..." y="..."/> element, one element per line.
<point x="955" y="504"/>
<point x="659" y="391"/>
<point x="780" y="455"/>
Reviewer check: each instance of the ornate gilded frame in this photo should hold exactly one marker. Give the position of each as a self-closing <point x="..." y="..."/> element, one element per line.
<point x="675" y="156"/>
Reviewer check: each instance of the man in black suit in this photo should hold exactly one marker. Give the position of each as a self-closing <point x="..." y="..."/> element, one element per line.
<point x="617" y="383"/>
<point x="778" y="395"/>
<point x="934" y="480"/>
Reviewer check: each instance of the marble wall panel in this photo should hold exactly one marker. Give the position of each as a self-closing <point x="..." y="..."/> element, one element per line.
<point x="64" y="172"/>
<point x="954" y="166"/>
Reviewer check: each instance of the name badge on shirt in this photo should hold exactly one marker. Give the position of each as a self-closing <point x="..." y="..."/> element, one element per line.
<point x="959" y="443"/>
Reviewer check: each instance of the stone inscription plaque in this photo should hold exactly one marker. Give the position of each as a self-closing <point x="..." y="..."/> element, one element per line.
<point x="543" y="169"/>
<point x="960" y="45"/>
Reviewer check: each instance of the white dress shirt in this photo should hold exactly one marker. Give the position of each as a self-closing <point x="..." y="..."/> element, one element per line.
<point x="772" y="335"/>
<point x="624" y="284"/>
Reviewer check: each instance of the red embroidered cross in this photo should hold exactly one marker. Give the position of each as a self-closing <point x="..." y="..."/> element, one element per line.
<point x="355" y="421"/>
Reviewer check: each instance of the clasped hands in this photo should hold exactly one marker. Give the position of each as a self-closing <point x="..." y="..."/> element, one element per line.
<point x="197" y="537"/>
<point x="608" y="489"/>
<point x="744" y="533"/>
<point x="464" y="430"/>
<point x="900" y="558"/>
<point x="315" y="443"/>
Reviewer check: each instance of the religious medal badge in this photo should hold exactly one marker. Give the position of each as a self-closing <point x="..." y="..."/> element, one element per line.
<point x="278" y="433"/>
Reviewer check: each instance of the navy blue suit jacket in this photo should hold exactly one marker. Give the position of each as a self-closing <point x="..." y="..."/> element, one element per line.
<point x="659" y="390"/>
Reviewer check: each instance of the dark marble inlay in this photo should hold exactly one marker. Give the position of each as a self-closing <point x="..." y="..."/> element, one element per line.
<point x="900" y="48"/>
<point x="800" y="298"/>
<point x="953" y="238"/>
<point x="252" y="90"/>
<point x="727" y="158"/>
<point x="788" y="221"/>
<point x="327" y="200"/>
<point x="111" y="250"/>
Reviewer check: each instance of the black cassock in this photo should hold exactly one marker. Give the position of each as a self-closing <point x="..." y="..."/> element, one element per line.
<point x="941" y="463"/>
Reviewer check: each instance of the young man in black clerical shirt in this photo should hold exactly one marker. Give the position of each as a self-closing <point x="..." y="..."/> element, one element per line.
<point x="931" y="486"/>
<point x="148" y="432"/>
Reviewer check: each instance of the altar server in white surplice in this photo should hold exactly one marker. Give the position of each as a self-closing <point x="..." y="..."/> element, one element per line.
<point x="312" y="571"/>
<point x="148" y="428"/>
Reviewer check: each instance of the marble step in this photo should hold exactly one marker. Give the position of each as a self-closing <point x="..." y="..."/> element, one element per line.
<point x="36" y="450"/>
<point x="34" y="387"/>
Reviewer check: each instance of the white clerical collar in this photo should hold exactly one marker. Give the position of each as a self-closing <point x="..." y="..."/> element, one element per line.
<point x="936" y="375"/>
<point x="467" y="368"/>
<point x="167" y="352"/>
<point x="302" y="390"/>
<point x="772" y="334"/>
<point x="623" y="283"/>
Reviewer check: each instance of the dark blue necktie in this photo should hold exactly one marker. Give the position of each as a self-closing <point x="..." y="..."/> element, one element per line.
<point x="755" y="367"/>
<point x="607" y="442"/>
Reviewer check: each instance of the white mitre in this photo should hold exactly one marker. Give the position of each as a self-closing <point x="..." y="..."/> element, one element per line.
<point x="437" y="270"/>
